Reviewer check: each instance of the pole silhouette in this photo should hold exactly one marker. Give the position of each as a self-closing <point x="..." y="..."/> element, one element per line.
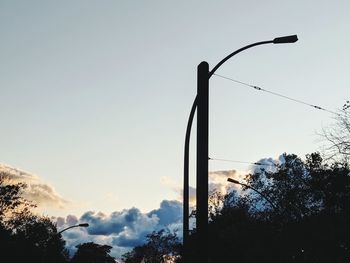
<point x="201" y="103"/>
<point x="202" y="160"/>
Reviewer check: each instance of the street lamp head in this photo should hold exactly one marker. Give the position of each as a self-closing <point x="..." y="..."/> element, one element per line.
<point x="84" y="225"/>
<point x="286" y="39"/>
<point x="233" y="181"/>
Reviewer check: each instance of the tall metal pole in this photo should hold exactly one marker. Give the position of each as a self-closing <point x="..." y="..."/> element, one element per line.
<point x="202" y="104"/>
<point x="202" y="161"/>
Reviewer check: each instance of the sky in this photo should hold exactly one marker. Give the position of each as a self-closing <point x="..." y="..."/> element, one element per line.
<point x="95" y="95"/>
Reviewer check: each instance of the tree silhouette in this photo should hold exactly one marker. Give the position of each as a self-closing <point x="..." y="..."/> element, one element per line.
<point x="24" y="236"/>
<point x="93" y="253"/>
<point x="310" y="222"/>
<point x="338" y="136"/>
<point x="12" y="202"/>
<point x="160" y="246"/>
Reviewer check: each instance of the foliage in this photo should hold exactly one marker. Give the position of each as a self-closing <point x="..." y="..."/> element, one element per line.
<point x="25" y="237"/>
<point x="92" y="253"/>
<point x="309" y="221"/>
<point x="12" y="202"/>
<point x="299" y="211"/>
<point x="338" y="136"/>
<point x="160" y="245"/>
<point x="39" y="237"/>
<point x="215" y="204"/>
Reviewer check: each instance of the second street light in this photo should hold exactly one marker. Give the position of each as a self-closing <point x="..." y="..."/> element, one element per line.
<point x="79" y="225"/>
<point x="255" y="190"/>
<point x="201" y="103"/>
<point x="57" y="235"/>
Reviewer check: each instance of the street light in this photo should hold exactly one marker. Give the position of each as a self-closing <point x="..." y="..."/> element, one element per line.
<point x="257" y="191"/>
<point x="56" y="235"/>
<point x="201" y="103"/>
<point x="268" y="199"/>
<point x="79" y="225"/>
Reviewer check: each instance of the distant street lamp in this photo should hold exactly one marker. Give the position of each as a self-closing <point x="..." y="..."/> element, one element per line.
<point x="201" y="103"/>
<point x="79" y="225"/>
<point x="257" y="191"/>
<point x="56" y="235"/>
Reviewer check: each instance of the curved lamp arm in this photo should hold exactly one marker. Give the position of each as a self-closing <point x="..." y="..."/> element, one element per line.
<point x="267" y="198"/>
<point x="80" y="225"/>
<point x="44" y="255"/>
<point x="250" y="187"/>
<point x="278" y="40"/>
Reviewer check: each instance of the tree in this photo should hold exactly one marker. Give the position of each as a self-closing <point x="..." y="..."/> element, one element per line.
<point x="12" y="202"/>
<point x="93" y="253"/>
<point x="160" y="246"/>
<point x="309" y="221"/>
<point x="39" y="239"/>
<point x="338" y="135"/>
<point x="24" y="236"/>
<point x="288" y="186"/>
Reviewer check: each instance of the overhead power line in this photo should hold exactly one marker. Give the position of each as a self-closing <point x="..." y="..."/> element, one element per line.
<point x="276" y="94"/>
<point x="235" y="161"/>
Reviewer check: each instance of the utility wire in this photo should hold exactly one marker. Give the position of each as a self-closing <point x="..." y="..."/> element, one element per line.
<point x="235" y="161"/>
<point x="276" y="94"/>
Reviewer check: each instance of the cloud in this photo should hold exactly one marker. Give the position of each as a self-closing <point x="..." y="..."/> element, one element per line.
<point x="269" y="164"/>
<point x="72" y="220"/>
<point x="41" y="193"/>
<point x="122" y="230"/>
<point x="218" y="180"/>
<point x="128" y="228"/>
<point x="130" y="221"/>
<point x="168" y="213"/>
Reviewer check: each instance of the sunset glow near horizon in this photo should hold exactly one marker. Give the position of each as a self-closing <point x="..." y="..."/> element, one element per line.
<point x="96" y="95"/>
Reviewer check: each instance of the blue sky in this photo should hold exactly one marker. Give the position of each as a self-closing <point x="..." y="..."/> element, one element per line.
<point x="96" y="94"/>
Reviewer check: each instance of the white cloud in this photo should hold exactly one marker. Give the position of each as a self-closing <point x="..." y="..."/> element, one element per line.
<point x="41" y="193"/>
<point x="217" y="182"/>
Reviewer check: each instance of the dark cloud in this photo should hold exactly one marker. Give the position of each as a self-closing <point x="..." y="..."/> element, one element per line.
<point x="125" y="240"/>
<point x="128" y="220"/>
<point x="168" y="213"/>
<point x="121" y="229"/>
